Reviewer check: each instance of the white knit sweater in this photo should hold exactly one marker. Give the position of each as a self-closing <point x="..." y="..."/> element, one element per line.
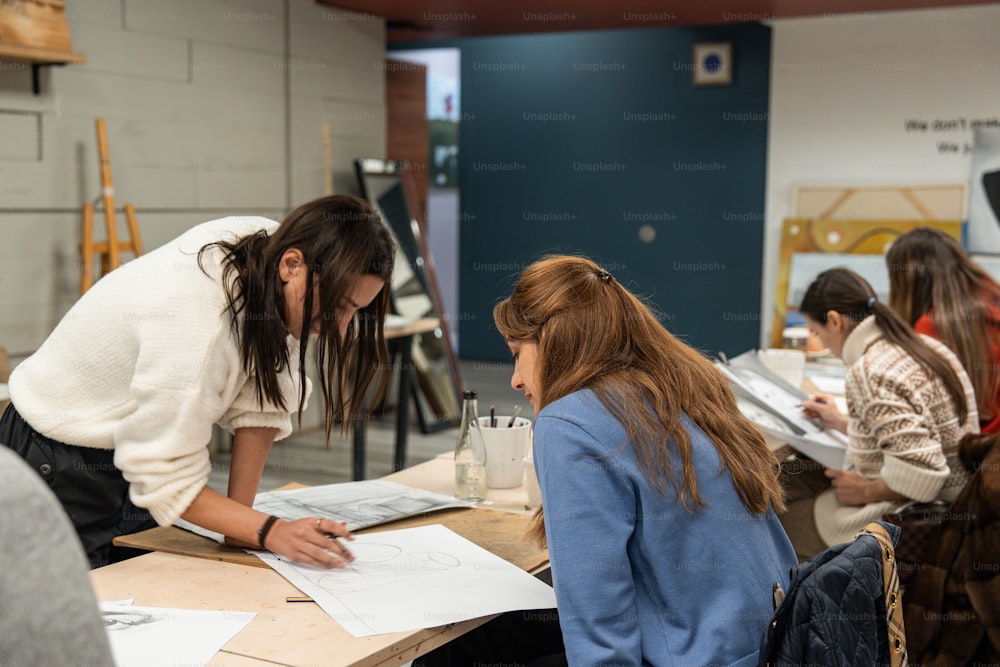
<point x="902" y="426"/>
<point x="145" y="363"/>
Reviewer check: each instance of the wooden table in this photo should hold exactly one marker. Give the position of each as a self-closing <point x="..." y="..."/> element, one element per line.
<point x="404" y="339"/>
<point x="282" y="633"/>
<point x="288" y="633"/>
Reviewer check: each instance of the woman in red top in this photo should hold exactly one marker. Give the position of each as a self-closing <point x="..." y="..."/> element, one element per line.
<point x="935" y="287"/>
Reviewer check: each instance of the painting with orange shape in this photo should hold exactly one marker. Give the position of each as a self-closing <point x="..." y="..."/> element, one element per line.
<point x="871" y="237"/>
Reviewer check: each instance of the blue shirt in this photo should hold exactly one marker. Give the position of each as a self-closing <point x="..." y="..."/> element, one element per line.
<point x="638" y="579"/>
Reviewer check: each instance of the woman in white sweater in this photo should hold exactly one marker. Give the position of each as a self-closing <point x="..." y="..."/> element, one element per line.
<point x="909" y="403"/>
<point x="115" y="409"/>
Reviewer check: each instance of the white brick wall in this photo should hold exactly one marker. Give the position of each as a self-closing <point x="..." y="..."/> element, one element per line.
<point x="194" y="95"/>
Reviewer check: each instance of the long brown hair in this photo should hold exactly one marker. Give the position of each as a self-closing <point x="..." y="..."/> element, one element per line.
<point x="847" y="293"/>
<point x="341" y="239"/>
<point x="593" y="333"/>
<point x="928" y="268"/>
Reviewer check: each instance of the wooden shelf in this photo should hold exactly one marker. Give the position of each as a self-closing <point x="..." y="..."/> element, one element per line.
<point x="35" y="55"/>
<point x="38" y="57"/>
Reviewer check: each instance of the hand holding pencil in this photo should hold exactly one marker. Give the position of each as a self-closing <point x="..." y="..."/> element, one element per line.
<point x="824" y="408"/>
<point x="312" y="540"/>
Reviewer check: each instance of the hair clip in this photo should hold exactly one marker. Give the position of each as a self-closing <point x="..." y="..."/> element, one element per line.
<point x="871" y="302"/>
<point x="604" y="276"/>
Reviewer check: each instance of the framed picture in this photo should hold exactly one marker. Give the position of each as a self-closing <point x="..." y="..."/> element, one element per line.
<point x="712" y="64"/>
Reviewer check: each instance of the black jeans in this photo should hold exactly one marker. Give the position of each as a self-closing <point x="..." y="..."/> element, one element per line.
<point x="85" y="480"/>
<point x="515" y="639"/>
<point x="530" y="638"/>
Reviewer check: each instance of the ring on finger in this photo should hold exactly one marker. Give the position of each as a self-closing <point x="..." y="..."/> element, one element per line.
<point x="318" y="522"/>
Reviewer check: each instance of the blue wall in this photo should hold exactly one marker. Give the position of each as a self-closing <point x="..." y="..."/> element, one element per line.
<point x="571" y="142"/>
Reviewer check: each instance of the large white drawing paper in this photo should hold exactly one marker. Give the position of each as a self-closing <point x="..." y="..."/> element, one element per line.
<point x="359" y="504"/>
<point x="415" y="578"/>
<point x="828" y="385"/>
<point x="775" y="407"/>
<point x="160" y="636"/>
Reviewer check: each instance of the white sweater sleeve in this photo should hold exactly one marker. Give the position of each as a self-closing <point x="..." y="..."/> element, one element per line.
<point x="162" y="445"/>
<point x="246" y="411"/>
<point x="161" y="450"/>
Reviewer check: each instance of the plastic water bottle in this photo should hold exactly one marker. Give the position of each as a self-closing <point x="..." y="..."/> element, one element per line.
<point x="470" y="452"/>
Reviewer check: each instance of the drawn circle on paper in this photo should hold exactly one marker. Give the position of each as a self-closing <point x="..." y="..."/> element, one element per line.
<point x="442" y="558"/>
<point x="370" y="552"/>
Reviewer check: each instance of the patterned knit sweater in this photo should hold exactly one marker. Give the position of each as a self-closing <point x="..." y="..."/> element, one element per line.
<point x="902" y="426"/>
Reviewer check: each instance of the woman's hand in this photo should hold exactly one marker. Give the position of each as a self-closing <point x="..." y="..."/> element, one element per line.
<point x="853" y="489"/>
<point x="312" y="541"/>
<point x="824" y="408"/>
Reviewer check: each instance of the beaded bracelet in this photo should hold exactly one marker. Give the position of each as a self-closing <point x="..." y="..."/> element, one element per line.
<point x="264" y="530"/>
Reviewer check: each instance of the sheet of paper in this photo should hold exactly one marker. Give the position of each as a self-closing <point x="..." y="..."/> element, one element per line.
<point x="359" y="504"/>
<point x="160" y="636"/>
<point x="415" y="578"/>
<point x="827" y="385"/>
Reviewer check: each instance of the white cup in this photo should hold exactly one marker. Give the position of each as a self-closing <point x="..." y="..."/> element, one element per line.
<point x="789" y="365"/>
<point x="505" y="450"/>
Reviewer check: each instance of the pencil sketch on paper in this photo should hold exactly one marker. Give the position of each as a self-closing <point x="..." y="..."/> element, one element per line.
<point x="148" y="636"/>
<point x="442" y="577"/>
<point x="125" y="618"/>
<point x="376" y="565"/>
<point x="358" y="504"/>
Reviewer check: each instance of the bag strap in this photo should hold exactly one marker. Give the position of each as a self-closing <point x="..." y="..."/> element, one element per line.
<point x="890" y="589"/>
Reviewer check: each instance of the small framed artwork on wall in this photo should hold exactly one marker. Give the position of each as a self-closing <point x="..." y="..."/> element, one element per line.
<point x="712" y="64"/>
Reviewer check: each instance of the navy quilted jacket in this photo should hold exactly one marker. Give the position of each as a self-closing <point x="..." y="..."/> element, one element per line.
<point x="834" y="610"/>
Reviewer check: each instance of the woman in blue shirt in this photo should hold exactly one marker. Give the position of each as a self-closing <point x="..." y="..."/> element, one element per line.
<point x="658" y="496"/>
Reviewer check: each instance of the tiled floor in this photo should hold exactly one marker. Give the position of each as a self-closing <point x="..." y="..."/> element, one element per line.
<point x="305" y="457"/>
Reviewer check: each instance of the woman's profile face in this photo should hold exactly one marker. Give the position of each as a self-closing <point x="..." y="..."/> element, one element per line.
<point x="525" y="376"/>
<point x="292" y="271"/>
<point x="831" y="334"/>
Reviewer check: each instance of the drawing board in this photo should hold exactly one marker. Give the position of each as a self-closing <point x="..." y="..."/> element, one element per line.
<point x="774" y="406"/>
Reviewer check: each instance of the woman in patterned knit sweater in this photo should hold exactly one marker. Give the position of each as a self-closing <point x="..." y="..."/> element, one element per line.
<point x="909" y="404"/>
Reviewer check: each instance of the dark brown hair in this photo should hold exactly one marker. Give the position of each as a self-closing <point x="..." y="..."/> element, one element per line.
<point x="845" y="292"/>
<point x="930" y="274"/>
<point x="341" y="238"/>
<point x="593" y="333"/>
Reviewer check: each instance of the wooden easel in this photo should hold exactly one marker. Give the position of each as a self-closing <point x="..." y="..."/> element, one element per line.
<point x="327" y="161"/>
<point x="111" y="249"/>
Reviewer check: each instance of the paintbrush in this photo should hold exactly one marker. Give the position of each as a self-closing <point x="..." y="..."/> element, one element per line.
<point x="513" y="415"/>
